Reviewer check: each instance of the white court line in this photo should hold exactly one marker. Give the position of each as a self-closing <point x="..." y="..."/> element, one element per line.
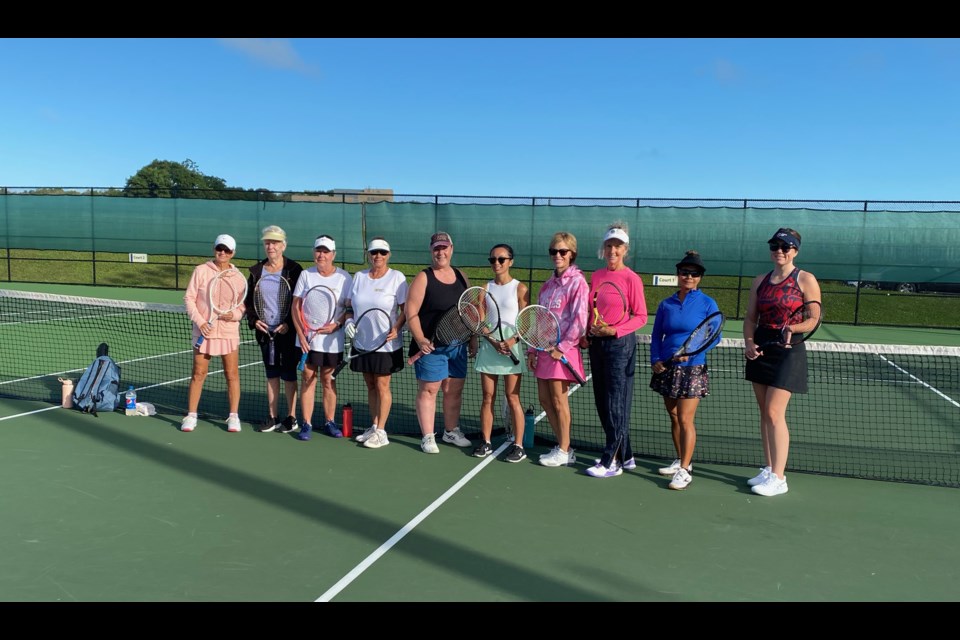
<point x="354" y="573"/>
<point x="919" y="381"/>
<point x="28" y="413"/>
<point x="367" y="562"/>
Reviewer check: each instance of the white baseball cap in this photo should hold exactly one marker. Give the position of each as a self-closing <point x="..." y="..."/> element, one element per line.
<point x="225" y="240"/>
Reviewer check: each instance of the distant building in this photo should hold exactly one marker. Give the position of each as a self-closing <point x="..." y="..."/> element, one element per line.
<point x="346" y="195"/>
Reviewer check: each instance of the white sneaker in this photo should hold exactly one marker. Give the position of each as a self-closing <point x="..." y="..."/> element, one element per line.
<point x="363" y="437"/>
<point x="233" y="424"/>
<point x="760" y="478"/>
<point x="773" y="486"/>
<point x="600" y="471"/>
<point x="377" y="440"/>
<point x="429" y="444"/>
<point x="628" y="465"/>
<point x="681" y="479"/>
<point x="672" y="469"/>
<point x="558" y="458"/>
<point x="189" y="423"/>
<point x="456" y="437"/>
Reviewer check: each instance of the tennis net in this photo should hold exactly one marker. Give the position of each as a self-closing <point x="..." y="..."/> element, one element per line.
<point x="884" y="412"/>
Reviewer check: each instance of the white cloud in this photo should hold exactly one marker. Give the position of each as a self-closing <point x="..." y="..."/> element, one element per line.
<point x="276" y="53"/>
<point x="725" y="72"/>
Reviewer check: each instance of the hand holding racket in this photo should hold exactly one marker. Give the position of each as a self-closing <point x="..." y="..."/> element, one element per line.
<point x="798" y="327"/>
<point x="225" y="293"/>
<point x="480" y="312"/>
<point x="540" y="328"/>
<point x="317" y="308"/>
<point x="609" y="307"/>
<point x="706" y="335"/>
<point x="373" y="329"/>
<point x="451" y="330"/>
<point x="271" y="302"/>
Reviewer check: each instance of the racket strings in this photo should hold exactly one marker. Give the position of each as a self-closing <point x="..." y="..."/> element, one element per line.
<point x="226" y="291"/>
<point x="451" y="329"/>
<point x="610" y="304"/>
<point x="372" y="330"/>
<point x="538" y="327"/>
<point x="704" y="334"/>
<point x="479" y="311"/>
<point x="318" y="309"/>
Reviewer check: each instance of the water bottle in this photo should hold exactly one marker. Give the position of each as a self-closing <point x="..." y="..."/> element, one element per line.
<point x="130" y="402"/>
<point x="66" y="393"/>
<point x="529" y="425"/>
<point x="347" y="420"/>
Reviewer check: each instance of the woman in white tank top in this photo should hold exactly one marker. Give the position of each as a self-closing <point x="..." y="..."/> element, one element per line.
<point x="493" y="358"/>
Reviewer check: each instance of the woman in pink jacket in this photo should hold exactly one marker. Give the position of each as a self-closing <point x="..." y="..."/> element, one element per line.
<point x="566" y="294"/>
<point x="222" y="338"/>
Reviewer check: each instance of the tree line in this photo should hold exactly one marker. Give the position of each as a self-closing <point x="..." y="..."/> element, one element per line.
<point x="169" y="179"/>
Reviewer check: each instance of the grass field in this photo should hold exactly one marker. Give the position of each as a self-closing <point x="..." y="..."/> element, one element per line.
<point x="843" y="304"/>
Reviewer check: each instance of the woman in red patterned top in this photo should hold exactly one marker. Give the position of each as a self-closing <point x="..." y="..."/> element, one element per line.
<point x="777" y="371"/>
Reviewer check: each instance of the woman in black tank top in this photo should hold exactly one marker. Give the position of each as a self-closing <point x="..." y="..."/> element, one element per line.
<point x="777" y="372"/>
<point x="432" y="292"/>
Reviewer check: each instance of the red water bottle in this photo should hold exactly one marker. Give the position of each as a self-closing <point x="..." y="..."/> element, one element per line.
<point x="347" y="421"/>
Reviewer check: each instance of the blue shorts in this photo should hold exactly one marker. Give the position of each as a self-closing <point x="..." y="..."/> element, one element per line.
<point x="442" y="363"/>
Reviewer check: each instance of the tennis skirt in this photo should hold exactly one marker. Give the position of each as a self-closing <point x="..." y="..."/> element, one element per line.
<point x="778" y="367"/>
<point x="682" y="382"/>
<point x="549" y="369"/>
<point x="491" y="362"/>
<point x="379" y="363"/>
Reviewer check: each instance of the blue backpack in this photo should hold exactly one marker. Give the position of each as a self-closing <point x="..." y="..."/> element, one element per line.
<point x="99" y="387"/>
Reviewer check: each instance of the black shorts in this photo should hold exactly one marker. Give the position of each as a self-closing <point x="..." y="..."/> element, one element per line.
<point x="322" y="359"/>
<point x="778" y="367"/>
<point x="378" y="363"/>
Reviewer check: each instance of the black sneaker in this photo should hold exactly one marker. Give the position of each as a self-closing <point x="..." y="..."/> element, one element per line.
<point x="270" y="424"/>
<point x="483" y="450"/>
<point x="289" y="425"/>
<point x="515" y="454"/>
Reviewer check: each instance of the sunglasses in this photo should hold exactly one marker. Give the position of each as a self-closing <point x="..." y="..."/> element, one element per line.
<point x="500" y="259"/>
<point x="563" y="252"/>
<point x="222" y="249"/>
<point x="690" y="274"/>
<point x="379" y="252"/>
<point x="781" y="246"/>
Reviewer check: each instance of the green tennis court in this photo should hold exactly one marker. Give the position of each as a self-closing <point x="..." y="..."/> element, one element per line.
<point x="120" y="508"/>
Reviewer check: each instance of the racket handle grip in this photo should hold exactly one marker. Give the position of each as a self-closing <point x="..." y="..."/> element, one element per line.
<point x="414" y="358"/>
<point x="303" y="362"/>
<point x="196" y="345"/>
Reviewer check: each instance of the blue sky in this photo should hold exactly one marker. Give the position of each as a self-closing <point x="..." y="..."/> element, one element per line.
<point x="875" y="119"/>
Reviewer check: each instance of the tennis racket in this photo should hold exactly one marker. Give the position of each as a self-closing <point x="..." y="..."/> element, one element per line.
<point x="317" y="307"/>
<point x="540" y="328"/>
<point x="609" y="305"/>
<point x="271" y="302"/>
<point x="481" y="313"/>
<point x="225" y="292"/>
<point x="451" y="330"/>
<point x="799" y="326"/>
<point x="373" y="327"/>
<point x="702" y="338"/>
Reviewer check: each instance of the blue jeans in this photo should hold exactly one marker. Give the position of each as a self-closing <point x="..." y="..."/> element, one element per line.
<point x="613" y="363"/>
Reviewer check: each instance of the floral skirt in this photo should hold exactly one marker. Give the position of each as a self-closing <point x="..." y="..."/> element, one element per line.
<point x="682" y="382"/>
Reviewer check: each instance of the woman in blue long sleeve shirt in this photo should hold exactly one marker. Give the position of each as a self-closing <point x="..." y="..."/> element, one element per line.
<point x="682" y="382"/>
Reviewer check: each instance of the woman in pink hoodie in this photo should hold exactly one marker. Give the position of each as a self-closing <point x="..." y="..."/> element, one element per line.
<point x="566" y="294"/>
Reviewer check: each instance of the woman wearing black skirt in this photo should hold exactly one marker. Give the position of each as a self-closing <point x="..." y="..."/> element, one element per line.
<point x="777" y="372"/>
